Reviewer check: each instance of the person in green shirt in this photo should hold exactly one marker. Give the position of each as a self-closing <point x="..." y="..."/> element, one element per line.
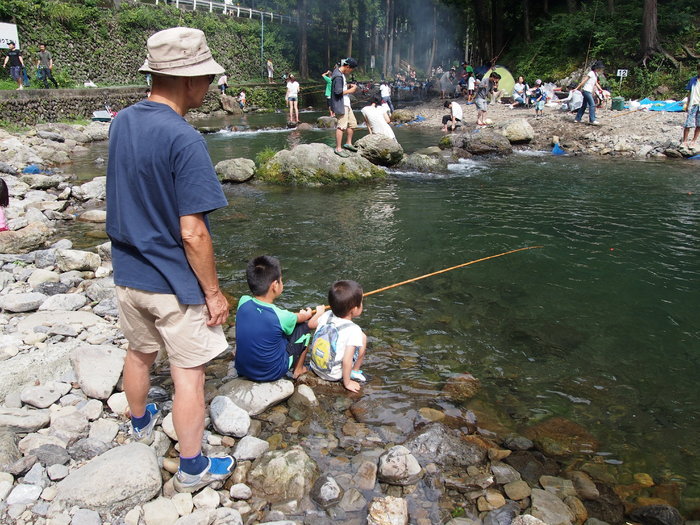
<point x="327" y="77"/>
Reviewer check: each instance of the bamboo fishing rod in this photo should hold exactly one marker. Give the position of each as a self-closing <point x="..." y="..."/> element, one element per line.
<point x="444" y="270"/>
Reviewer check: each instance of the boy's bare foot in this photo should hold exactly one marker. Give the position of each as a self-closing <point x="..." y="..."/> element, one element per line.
<point x="298" y="372"/>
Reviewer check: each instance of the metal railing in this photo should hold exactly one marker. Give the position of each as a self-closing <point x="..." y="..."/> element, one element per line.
<point x="227" y="8"/>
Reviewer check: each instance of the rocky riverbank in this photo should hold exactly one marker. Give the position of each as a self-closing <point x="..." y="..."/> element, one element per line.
<point x="640" y="134"/>
<point x="308" y="452"/>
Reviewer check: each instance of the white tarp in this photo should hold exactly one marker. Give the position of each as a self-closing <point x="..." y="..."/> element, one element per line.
<point x="8" y="33"/>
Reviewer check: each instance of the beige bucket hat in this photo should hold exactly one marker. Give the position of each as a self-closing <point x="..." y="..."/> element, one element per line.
<point x="180" y="52"/>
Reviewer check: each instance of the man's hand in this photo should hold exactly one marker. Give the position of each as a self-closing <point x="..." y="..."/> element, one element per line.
<point x="218" y="307"/>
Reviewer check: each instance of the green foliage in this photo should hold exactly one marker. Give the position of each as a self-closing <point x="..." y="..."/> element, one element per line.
<point x="267" y="97"/>
<point x="264" y="156"/>
<point x="12" y="127"/>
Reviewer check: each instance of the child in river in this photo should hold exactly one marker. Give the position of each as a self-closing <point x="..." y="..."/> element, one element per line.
<point x="338" y="347"/>
<point x="270" y="341"/>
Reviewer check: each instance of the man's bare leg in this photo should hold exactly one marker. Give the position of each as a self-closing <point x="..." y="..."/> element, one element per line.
<point x="188" y="408"/>
<point x="137" y="379"/>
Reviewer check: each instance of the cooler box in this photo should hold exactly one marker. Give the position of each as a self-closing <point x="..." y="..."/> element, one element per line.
<point x="618" y="103"/>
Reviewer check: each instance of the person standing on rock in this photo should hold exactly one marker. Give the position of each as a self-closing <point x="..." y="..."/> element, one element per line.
<point x="292" y="97"/>
<point x="44" y="66"/>
<point x="486" y="86"/>
<point x="14" y="57"/>
<point x="693" y="109"/>
<point x="160" y="187"/>
<point x="270" y="72"/>
<point x="341" y="105"/>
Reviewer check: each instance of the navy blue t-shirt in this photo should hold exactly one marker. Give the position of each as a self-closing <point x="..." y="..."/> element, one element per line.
<point x="261" y="339"/>
<point x="159" y="170"/>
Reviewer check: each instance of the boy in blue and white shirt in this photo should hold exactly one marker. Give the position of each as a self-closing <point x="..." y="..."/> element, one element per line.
<point x="693" y="108"/>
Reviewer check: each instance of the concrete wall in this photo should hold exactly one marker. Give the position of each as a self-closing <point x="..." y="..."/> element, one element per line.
<point x="31" y="106"/>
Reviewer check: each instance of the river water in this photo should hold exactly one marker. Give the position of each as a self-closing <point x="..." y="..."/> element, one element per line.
<point x="600" y="325"/>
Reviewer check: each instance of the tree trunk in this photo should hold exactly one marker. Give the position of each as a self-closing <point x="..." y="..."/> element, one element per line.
<point x="497" y="10"/>
<point x="303" y="41"/>
<point x="483" y="27"/>
<point x="571" y="5"/>
<point x="526" y="21"/>
<point x="387" y="30"/>
<point x="545" y="6"/>
<point x="362" y="34"/>
<point x="349" y="46"/>
<point x="650" y="33"/>
<point x="611" y="7"/>
<point x="392" y="29"/>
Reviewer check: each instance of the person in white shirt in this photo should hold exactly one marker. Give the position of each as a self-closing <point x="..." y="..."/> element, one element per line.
<point x="455" y="116"/>
<point x="692" y="106"/>
<point x="385" y="92"/>
<point x="520" y="93"/>
<point x="377" y="118"/>
<point x="223" y="83"/>
<point x="293" y="99"/>
<point x="589" y="84"/>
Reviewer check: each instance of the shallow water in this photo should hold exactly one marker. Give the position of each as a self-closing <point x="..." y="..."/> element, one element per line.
<point x="600" y="325"/>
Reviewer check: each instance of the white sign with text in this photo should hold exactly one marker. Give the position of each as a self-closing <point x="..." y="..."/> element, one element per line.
<point x="8" y="33"/>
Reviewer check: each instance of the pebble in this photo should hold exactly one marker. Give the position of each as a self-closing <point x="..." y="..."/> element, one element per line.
<point x="133" y="516"/>
<point x="57" y="472"/>
<point x="160" y="511"/>
<point x="207" y="498"/>
<point x="24" y="494"/>
<point x="250" y="448"/>
<point x="169" y="427"/>
<point x="118" y="404"/>
<point x="183" y="503"/>
<point x="86" y="517"/>
<point x="240" y="491"/>
<point x="104" y="430"/>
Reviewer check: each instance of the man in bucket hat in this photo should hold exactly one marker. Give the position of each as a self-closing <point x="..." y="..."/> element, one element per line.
<point x="160" y="187"/>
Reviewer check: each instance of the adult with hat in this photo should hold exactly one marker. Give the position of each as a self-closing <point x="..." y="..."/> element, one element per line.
<point x="340" y="104"/>
<point x="161" y="185"/>
<point x="588" y="86"/>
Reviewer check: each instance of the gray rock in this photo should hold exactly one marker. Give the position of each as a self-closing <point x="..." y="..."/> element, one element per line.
<point x="482" y="142"/>
<point x="160" y="511"/>
<point x="104" y="250"/>
<point x="57" y="472"/>
<point x="526" y="519"/>
<point x="107" y="308"/>
<point x="235" y="170"/>
<point x="517" y="131"/>
<point x="98" y="369"/>
<point x="63" y="302"/>
<point x="49" y="135"/>
<point x="423" y="163"/>
<point x="50" y="288"/>
<point x="86" y="517"/>
<point x="49" y="455"/>
<point x="230" y="105"/>
<point x="515" y="442"/>
<point x="37" y="476"/>
<point x="87" y="448"/>
<point x="7" y="168"/>
<point x="503" y="515"/>
<point x="228" y="418"/>
<point x="283" y="475"/>
<point x="438" y="444"/>
<point x="504" y="473"/>
<point x="326" y="491"/>
<point x="43" y="396"/>
<point x="303" y="397"/>
<point x="22" y="302"/>
<point x="96" y="131"/>
<point x="388" y="510"/>
<point x="67" y="260"/>
<point x="380" y="150"/>
<point x="40" y="276"/>
<point x="327" y="122"/>
<point x="9" y="452"/>
<point x="657" y="515"/>
<point x="29" y="443"/>
<point x="68" y="424"/>
<point x="100" y="289"/>
<point x="255" y="398"/>
<point x="517" y="490"/>
<point x="22" y="420"/>
<point x="250" y="448"/>
<point x="397" y="466"/>
<point x="225" y="516"/>
<point x="41" y="182"/>
<point x="352" y="501"/>
<point x="62" y="329"/>
<point x="45" y="258"/>
<point x="24" y="494"/>
<point x="22" y="466"/>
<point x="104" y="430"/>
<point x="558" y="486"/>
<point x="584" y="485"/>
<point x="317" y="164"/>
<point x="403" y="115"/>
<point x="550" y="509"/>
<point x="96" y="216"/>
<point x="95" y="189"/>
<point x="129" y="475"/>
<point x="72" y="278"/>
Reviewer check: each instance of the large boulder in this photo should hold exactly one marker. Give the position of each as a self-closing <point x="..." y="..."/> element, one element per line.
<point x="436" y="443"/>
<point x="482" y="142"/>
<point x="517" y="131"/>
<point x="230" y="105"/>
<point x="30" y="238"/>
<point x="380" y="150"/>
<point x="327" y="122"/>
<point x="403" y="115"/>
<point x="397" y="466"/>
<point x="80" y="260"/>
<point x="255" y="398"/>
<point x="95" y="189"/>
<point x="119" y="479"/>
<point x="317" y="164"/>
<point x="235" y="170"/>
<point x="423" y="163"/>
<point x="22" y="302"/>
<point x="283" y="475"/>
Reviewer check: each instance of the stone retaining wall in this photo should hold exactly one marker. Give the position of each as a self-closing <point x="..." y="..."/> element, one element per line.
<point x="31" y="106"/>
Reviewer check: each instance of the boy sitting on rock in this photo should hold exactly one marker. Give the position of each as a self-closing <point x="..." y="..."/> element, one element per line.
<point x="338" y="347"/>
<point x="270" y="342"/>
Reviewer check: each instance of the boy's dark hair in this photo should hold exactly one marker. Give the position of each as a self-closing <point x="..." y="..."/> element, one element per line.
<point x="377" y="99"/>
<point x="495" y="75"/>
<point x="261" y="273"/>
<point x="446" y="104"/>
<point x="4" y="194"/>
<point x="344" y="296"/>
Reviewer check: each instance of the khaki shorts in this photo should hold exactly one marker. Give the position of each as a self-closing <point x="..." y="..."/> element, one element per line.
<point x="348" y="118"/>
<point x="155" y="321"/>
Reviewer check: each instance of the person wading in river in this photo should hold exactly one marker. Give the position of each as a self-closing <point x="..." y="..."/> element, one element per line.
<point x="160" y="187"/>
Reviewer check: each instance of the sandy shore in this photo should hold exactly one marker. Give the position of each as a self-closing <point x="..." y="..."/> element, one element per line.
<point x="622" y="133"/>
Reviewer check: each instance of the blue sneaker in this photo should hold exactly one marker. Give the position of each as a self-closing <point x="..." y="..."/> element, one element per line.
<point x="357" y="375"/>
<point x="145" y="435"/>
<point x="218" y="469"/>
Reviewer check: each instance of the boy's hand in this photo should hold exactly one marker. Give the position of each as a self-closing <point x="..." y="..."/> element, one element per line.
<point x="304" y="315"/>
<point x="352" y="386"/>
